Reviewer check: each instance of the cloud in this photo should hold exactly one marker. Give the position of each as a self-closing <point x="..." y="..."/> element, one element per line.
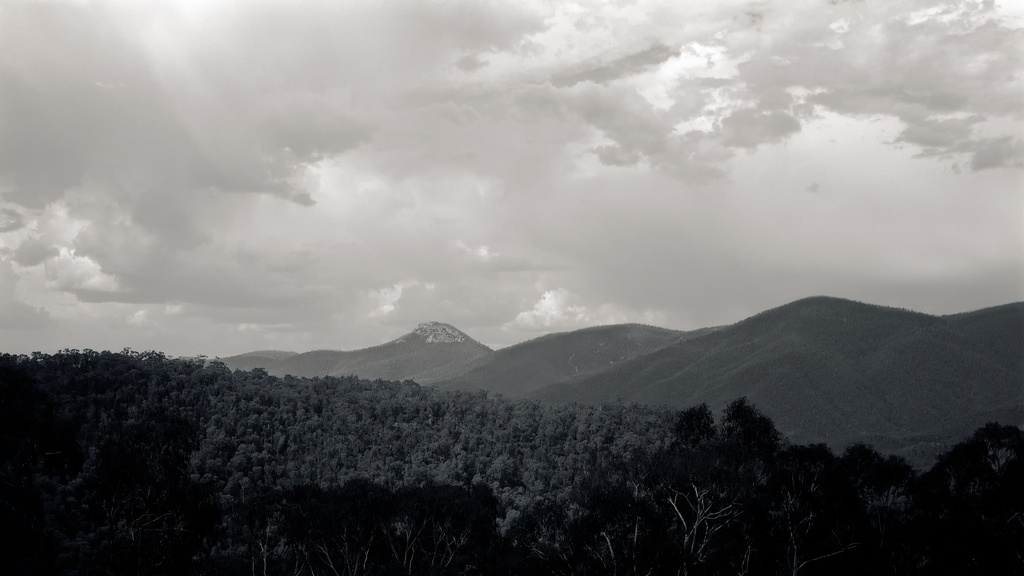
<point x="15" y="314"/>
<point x="560" y="310"/>
<point x="623" y="66"/>
<point x="997" y="153"/>
<point x="640" y="133"/>
<point x="387" y="298"/>
<point x="751" y="128"/>
<point x="940" y="134"/>
<point x="470" y="63"/>
<point x="615" y="155"/>
<point x="98" y="109"/>
<point x="151" y="135"/>
<point x="34" y="251"/>
<point x="482" y="252"/>
<point x="329" y="175"/>
<point x="957" y="67"/>
<point x="10" y="220"/>
<point x="73" y="273"/>
<point x="946" y="137"/>
<point x="139" y="318"/>
<point x="553" y="311"/>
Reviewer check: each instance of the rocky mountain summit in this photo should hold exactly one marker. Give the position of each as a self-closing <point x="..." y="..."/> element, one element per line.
<point x="439" y="332"/>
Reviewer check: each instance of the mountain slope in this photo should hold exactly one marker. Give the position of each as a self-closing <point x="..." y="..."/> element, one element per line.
<point x="1000" y="329"/>
<point x="257" y="359"/>
<point x="826" y="369"/>
<point x="521" y="369"/>
<point x="431" y="352"/>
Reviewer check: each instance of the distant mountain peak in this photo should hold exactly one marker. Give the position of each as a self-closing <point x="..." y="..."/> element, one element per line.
<point x="440" y="333"/>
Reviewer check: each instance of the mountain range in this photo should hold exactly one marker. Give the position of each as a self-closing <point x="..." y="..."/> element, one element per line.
<point x="824" y="369"/>
<point x="433" y="351"/>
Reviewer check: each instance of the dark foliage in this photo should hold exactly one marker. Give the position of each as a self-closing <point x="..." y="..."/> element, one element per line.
<point x="134" y="463"/>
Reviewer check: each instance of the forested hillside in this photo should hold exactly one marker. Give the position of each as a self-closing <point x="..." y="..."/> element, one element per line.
<point x="135" y="463"/>
<point x="836" y="371"/>
<point x="522" y="369"/>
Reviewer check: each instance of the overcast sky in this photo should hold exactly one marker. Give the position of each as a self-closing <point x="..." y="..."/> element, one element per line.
<point x="218" y="177"/>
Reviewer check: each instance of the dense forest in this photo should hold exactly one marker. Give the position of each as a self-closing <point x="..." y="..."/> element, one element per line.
<point x="136" y="463"/>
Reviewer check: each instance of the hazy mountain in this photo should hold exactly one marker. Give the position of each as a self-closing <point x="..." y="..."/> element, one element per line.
<point x="521" y="369"/>
<point x="826" y="369"/>
<point x="257" y="359"/>
<point x="431" y="352"/>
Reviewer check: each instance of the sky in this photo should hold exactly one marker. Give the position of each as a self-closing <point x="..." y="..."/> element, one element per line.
<point x="214" y="177"/>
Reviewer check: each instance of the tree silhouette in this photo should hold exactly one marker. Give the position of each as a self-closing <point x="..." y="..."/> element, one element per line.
<point x="972" y="503"/>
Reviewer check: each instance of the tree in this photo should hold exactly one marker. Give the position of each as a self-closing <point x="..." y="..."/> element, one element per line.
<point x="28" y="441"/>
<point x="144" y="515"/>
<point x="260" y="519"/>
<point x="438" y="529"/>
<point x="544" y="533"/>
<point x="883" y="486"/>
<point x="972" y="505"/>
<point x="695" y="426"/>
<point x="339" y="530"/>
<point x="701" y="498"/>
<point x="621" y="531"/>
<point x="811" y="510"/>
<point x="749" y="432"/>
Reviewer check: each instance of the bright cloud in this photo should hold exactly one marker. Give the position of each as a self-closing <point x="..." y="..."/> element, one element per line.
<point x="70" y="272"/>
<point x="553" y="309"/>
<point x="559" y="309"/>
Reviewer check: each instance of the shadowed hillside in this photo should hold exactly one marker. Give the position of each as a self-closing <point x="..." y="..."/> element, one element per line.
<point x="521" y="369"/>
<point x="833" y="370"/>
